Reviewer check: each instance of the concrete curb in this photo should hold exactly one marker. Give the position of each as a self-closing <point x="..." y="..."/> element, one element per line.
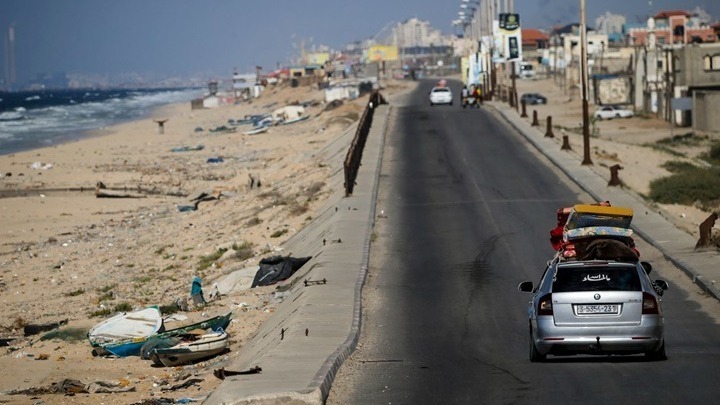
<point x="314" y="329"/>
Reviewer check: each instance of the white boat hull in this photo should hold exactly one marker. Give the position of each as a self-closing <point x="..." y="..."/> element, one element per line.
<point x="125" y="326"/>
<point x="207" y="345"/>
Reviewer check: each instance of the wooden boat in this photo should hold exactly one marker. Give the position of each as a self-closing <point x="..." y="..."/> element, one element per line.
<point x="131" y="347"/>
<point x="257" y="130"/>
<point x="294" y="120"/>
<point x="193" y="349"/>
<point x="126" y="327"/>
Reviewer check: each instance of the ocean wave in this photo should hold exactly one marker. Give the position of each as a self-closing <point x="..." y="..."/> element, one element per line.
<point x="70" y="112"/>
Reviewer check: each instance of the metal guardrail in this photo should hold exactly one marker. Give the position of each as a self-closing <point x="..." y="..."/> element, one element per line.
<point x="354" y="154"/>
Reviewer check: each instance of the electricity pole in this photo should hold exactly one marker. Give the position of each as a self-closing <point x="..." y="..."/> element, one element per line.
<point x="583" y="67"/>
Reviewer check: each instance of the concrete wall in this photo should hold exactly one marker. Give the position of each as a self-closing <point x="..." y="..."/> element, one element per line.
<point x="690" y="66"/>
<point x="705" y="111"/>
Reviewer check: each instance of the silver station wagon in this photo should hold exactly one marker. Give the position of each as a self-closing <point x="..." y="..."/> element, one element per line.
<point x="597" y="307"/>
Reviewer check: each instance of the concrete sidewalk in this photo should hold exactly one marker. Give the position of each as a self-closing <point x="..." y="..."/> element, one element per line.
<point x="676" y="245"/>
<point x="316" y="327"/>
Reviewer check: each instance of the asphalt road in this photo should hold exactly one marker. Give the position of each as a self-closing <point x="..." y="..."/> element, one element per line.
<point x="465" y="207"/>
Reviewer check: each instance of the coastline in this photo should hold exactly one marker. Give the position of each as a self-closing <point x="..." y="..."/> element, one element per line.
<point x="66" y="255"/>
<point x="68" y="136"/>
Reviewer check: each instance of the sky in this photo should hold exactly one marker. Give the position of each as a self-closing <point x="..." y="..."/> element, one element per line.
<point x="217" y="37"/>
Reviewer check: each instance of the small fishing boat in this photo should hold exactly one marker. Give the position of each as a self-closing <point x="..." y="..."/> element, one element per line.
<point x="257" y="130"/>
<point x="191" y="348"/>
<point x="294" y="120"/>
<point x="126" y="327"/>
<point x="132" y="346"/>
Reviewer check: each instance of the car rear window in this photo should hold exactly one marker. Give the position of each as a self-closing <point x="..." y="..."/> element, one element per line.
<point x="441" y="90"/>
<point x="597" y="278"/>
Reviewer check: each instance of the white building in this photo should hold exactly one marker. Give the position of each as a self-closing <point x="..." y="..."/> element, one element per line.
<point x="414" y="32"/>
<point x="610" y="23"/>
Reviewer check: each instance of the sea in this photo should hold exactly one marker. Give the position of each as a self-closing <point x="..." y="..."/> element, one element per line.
<point x="35" y="119"/>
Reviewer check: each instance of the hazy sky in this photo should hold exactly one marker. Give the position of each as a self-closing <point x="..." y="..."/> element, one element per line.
<point x="215" y="36"/>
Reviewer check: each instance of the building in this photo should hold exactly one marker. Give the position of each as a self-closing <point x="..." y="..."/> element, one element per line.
<point x="680" y="84"/>
<point x="672" y="27"/>
<point x="9" y="78"/>
<point x="533" y="42"/>
<point x="418" y="33"/>
<point x="612" y="25"/>
<point x="696" y="77"/>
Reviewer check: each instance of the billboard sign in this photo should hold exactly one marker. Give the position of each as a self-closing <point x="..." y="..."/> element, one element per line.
<point x="509" y="28"/>
<point x="382" y="53"/>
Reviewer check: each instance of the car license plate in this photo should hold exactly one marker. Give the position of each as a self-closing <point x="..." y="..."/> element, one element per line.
<point x="596" y="309"/>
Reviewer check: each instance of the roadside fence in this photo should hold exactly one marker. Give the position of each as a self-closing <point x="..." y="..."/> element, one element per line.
<point x="354" y="154"/>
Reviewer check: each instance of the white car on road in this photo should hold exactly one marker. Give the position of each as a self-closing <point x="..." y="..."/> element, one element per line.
<point x="609" y="112"/>
<point x="441" y="95"/>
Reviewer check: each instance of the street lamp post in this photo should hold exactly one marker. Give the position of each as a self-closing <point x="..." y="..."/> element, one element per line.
<point x="583" y="67"/>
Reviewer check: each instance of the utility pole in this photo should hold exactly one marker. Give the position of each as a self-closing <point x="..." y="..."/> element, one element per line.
<point x="513" y="91"/>
<point x="583" y="67"/>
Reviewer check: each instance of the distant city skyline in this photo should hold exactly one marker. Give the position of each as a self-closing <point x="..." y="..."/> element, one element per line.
<point x="181" y="38"/>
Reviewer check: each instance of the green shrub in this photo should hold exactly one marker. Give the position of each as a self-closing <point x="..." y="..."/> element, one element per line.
<point x="243" y="251"/>
<point x="279" y="233"/>
<point x="676" y="166"/>
<point x="101" y="312"/>
<point x="207" y="261"/>
<point x="687" y="187"/>
<point x="123" y="307"/>
<point x="75" y="293"/>
<point x="713" y="156"/>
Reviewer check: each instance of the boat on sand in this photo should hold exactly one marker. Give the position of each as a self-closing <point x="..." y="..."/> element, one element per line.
<point x="132" y="346"/>
<point x="126" y="327"/>
<point x="191" y="348"/>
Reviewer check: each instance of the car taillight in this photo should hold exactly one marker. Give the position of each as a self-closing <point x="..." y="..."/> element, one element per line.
<point x="650" y="304"/>
<point x="545" y="305"/>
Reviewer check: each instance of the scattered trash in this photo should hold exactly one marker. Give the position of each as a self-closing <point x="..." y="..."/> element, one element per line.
<point x="222" y="129"/>
<point x="196" y="292"/>
<point x="70" y="386"/>
<point x="199" y="129"/>
<point x="314" y="282"/>
<point x="185" y="384"/>
<point x="277" y="268"/>
<point x="41" y="166"/>
<point x="187" y="148"/>
<point x="186" y="208"/>
<point x="105" y="387"/>
<point x="29" y="330"/>
<point x="5" y="341"/>
<point x="221" y="373"/>
<point x="215" y="160"/>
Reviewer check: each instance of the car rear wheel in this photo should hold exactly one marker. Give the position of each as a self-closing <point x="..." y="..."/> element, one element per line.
<point x="535" y="355"/>
<point x="658" y="355"/>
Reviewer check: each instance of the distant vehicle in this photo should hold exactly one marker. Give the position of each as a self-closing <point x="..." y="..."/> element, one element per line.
<point x="526" y="70"/>
<point x="441" y="95"/>
<point x="533" y="98"/>
<point x="599" y="307"/>
<point x="609" y="112"/>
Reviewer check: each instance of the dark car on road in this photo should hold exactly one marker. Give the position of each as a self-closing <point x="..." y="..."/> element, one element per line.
<point x="533" y="98"/>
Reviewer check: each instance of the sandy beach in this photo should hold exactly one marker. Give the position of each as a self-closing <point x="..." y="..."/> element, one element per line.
<point x="70" y="256"/>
